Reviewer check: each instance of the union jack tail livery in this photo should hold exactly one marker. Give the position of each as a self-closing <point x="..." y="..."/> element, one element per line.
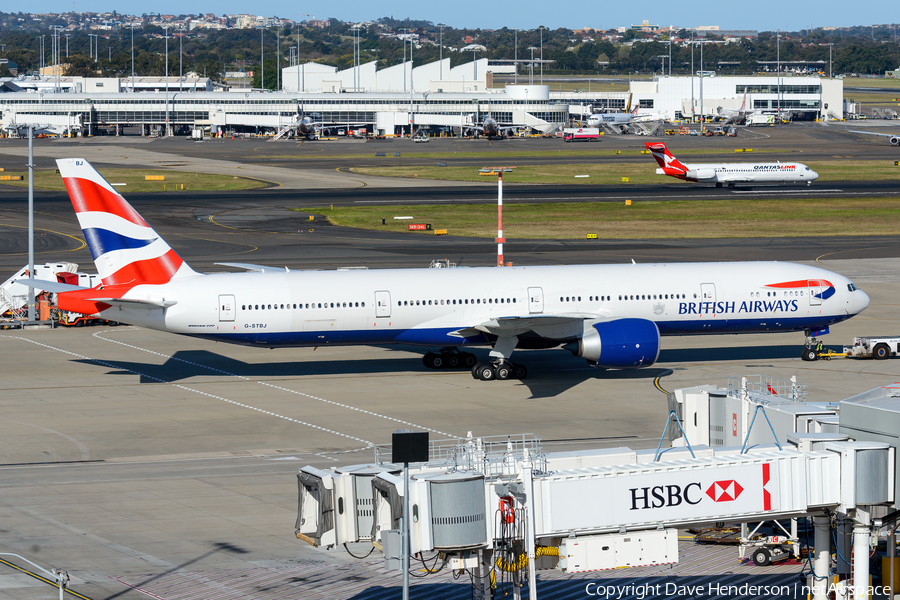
<point x="126" y="250"/>
<point x="668" y="163"/>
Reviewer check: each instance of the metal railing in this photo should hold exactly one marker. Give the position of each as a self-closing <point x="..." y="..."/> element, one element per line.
<point x="492" y="455"/>
<point x="766" y="386"/>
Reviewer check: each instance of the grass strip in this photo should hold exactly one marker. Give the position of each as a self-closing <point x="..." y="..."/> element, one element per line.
<point x="696" y="219"/>
<point x="134" y="181"/>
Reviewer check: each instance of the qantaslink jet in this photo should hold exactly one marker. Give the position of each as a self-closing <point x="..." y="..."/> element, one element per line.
<point x="730" y="174"/>
<point x="610" y="315"/>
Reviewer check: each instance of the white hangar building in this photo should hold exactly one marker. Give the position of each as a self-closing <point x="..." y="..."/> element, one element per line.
<point x="672" y="97"/>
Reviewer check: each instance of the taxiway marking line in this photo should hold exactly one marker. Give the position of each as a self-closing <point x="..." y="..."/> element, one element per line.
<point x="99" y="336"/>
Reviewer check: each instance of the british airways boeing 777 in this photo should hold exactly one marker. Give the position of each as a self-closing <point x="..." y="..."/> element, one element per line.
<point x="611" y="315"/>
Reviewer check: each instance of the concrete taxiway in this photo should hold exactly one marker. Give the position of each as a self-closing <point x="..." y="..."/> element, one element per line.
<point x="130" y="455"/>
<point x="154" y="465"/>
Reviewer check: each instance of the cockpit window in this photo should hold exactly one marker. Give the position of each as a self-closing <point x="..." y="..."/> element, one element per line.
<point x="851" y="287"/>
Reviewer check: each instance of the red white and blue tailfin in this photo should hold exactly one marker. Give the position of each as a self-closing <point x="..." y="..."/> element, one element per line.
<point x="668" y="163"/>
<point x="125" y="248"/>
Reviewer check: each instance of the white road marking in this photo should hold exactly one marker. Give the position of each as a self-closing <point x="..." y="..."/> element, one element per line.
<point x="99" y="336"/>
<point x="188" y="389"/>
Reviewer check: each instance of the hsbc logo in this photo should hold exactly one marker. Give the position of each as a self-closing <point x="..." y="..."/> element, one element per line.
<point x="724" y="491"/>
<point x="665" y="496"/>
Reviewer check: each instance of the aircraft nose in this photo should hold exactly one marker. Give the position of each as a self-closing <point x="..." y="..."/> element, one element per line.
<point x="862" y="301"/>
<point x="814" y="175"/>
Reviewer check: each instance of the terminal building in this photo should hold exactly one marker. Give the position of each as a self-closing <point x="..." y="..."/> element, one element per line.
<point x="389" y="101"/>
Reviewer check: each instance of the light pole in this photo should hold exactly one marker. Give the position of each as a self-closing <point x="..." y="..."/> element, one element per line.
<point x="663" y="57"/>
<point x="166" y="28"/>
<point x="778" y="56"/>
<point x="262" y="55"/>
<point x="442" y="51"/>
<point x="67" y="45"/>
<point x="542" y="54"/>
<point x="532" y="48"/>
<point x="829" y="61"/>
<point x="693" y="73"/>
<point x="132" y="60"/>
<point x="516" y="59"/>
<point x="180" y="76"/>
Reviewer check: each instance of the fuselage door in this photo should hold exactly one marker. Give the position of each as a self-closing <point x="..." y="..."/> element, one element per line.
<point x="382" y="304"/>
<point x="815" y="289"/>
<point x="535" y="300"/>
<point x="226" y="308"/>
<point x="708" y="294"/>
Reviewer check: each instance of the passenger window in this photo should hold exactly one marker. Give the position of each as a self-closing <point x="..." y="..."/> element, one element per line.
<point x="466" y="301"/>
<point x="243" y="307"/>
<point x="364" y="304"/>
<point x="579" y="298"/>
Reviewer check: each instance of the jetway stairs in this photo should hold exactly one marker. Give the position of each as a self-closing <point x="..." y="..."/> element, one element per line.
<point x="14" y="296"/>
<point x="645" y="127"/>
<point x="610" y="129"/>
<point x="502" y="506"/>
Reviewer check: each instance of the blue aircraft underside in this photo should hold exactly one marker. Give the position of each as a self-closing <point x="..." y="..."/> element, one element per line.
<point x="442" y="336"/>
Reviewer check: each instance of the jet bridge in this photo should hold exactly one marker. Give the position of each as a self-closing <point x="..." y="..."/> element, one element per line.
<point x="501" y="506"/>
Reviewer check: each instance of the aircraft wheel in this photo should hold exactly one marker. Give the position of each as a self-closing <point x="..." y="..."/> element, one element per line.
<point x="452" y="361"/>
<point x="469" y="360"/>
<point x="503" y="372"/>
<point x="475" y="370"/>
<point x="486" y="372"/>
<point x="718" y="185"/>
<point x="438" y="362"/>
<point x="520" y="371"/>
<point x="881" y="352"/>
<point x="428" y="360"/>
<point x="761" y="557"/>
<point x="809" y="354"/>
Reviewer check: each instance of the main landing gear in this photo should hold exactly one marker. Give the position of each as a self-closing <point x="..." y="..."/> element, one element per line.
<point x="449" y="358"/>
<point x="500" y="370"/>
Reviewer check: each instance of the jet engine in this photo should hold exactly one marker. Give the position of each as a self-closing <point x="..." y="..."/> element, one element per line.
<point x="701" y="174"/>
<point x="895" y="140"/>
<point x="618" y="344"/>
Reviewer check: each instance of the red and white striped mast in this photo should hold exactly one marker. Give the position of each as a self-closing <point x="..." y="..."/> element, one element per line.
<point x="500" y="239"/>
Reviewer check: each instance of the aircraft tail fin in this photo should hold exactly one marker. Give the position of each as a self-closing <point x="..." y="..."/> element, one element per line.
<point x="667" y="162"/>
<point x="125" y="248"/>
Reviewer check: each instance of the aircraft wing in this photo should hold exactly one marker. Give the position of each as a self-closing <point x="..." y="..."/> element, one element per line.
<point x="874" y="133"/>
<point x="567" y="325"/>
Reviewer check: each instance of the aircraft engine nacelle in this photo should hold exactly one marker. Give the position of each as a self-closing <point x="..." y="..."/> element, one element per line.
<point x="895" y="140"/>
<point x="701" y="174"/>
<point x="618" y="344"/>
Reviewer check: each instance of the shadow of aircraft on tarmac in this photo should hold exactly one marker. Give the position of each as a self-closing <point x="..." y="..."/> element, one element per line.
<point x="551" y="372"/>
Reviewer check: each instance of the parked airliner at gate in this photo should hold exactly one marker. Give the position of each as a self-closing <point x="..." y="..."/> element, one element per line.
<point x="611" y="315"/>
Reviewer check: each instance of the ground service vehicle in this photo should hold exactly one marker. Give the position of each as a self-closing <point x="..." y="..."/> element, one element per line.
<point x="581" y="134"/>
<point x="879" y="348"/>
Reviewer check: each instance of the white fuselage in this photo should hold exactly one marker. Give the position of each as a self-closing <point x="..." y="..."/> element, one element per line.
<point x="432" y="306"/>
<point x="747" y="173"/>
